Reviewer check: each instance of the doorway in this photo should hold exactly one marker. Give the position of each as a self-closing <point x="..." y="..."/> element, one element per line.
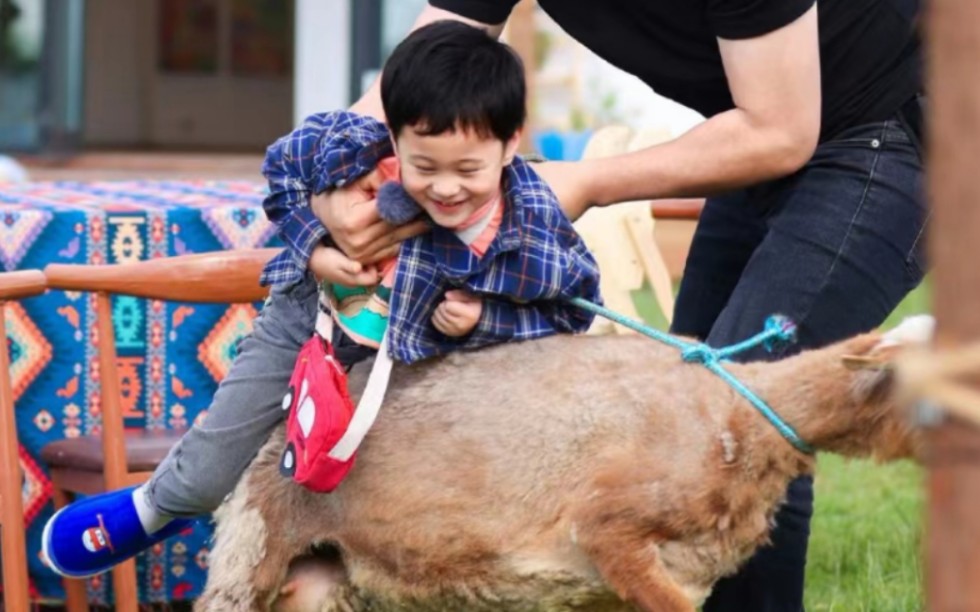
<point x="188" y="74"/>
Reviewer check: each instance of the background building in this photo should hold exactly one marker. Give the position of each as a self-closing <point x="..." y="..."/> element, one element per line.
<point x="231" y="75"/>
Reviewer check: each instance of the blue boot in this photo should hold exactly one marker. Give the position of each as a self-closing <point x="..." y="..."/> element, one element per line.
<point x="93" y="534"/>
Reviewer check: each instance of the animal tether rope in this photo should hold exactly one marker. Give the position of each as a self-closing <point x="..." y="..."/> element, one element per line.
<point x="777" y="329"/>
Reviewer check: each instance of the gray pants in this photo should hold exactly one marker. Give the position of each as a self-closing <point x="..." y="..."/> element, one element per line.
<point x="205" y="465"/>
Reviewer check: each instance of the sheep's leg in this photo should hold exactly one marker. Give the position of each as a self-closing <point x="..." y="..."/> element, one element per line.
<point x="239" y="547"/>
<point x="316" y="583"/>
<point x="248" y="561"/>
<point x="269" y="575"/>
<point x="254" y="584"/>
<point x="630" y="563"/>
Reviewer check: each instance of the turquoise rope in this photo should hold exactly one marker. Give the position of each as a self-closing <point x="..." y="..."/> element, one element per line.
<point x="778" y="329"/>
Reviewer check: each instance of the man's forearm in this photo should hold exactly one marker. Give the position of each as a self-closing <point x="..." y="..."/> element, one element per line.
<point x="772" y="130"/>
<point x="723" y="153"/>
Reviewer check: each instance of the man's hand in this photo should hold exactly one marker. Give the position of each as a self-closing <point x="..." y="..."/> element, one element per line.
<point x="329" y="264"/>
<point x="350" y="214"/>
<point x="458" y="313"/>
<point x="570" y="182"/>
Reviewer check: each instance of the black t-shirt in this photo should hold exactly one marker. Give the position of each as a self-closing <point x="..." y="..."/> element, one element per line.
<point x="869" y="49"/>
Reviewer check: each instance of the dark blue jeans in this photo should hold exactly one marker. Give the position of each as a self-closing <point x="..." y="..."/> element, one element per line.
<point x="834" y="246"/>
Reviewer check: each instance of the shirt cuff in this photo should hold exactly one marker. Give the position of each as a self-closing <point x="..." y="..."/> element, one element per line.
<point x="302" y="231"/>
<point x="736" y="25"/>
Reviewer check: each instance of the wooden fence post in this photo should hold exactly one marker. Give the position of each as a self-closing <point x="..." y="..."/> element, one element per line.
<point x="953" y="526"/>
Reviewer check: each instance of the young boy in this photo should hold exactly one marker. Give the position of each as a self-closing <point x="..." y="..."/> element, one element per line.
<point x="497" y="265"/>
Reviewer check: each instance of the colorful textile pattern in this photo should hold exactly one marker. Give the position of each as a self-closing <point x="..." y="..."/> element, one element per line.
<point x="171" y="356"/>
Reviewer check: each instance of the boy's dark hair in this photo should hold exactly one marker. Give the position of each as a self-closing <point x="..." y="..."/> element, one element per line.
<point x="448" y="74"/>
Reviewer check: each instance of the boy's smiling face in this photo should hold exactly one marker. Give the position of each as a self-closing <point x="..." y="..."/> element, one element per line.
<point x="452" y="174"/>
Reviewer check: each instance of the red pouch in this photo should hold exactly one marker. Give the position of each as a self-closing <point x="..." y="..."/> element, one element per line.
<point x="320" y="410"/>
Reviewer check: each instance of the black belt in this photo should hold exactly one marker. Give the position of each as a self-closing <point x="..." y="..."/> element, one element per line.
<point x="912" y="116"/>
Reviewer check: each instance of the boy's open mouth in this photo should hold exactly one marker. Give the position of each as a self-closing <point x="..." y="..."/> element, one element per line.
<point x="447" y="205"/>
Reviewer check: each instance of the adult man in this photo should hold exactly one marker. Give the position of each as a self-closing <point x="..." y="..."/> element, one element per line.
<point x="810" y="159"/>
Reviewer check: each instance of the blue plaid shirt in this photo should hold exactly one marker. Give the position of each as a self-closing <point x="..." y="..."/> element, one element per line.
<point x="329" y="150"/>
<point x="535" y="261"/>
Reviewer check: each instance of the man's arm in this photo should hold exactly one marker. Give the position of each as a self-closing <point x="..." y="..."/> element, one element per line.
<point x="771" y="132"/>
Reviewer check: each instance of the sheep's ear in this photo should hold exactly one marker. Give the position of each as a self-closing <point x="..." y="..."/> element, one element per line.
<point x="868" y="362"/>
<point x="912" y="331"/>
<point x="872" y="364"/>
<point x="870" y="352"/>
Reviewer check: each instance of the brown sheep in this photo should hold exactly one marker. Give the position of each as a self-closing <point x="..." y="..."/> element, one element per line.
<point x="570" y="473"/>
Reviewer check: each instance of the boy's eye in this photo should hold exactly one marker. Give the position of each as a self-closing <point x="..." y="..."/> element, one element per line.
<point x="425" y="170"/>
<point x="469" y="171"/>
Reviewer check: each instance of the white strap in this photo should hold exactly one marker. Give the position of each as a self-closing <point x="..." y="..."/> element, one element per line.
<point x="368" y="407"/>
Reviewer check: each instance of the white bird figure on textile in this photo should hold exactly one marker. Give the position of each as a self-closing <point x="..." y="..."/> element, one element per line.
<point x="11" y="171"/>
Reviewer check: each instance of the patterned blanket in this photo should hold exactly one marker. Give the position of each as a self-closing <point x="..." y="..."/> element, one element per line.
<point x="171" y="356"/>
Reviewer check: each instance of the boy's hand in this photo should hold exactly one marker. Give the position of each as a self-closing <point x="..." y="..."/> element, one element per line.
<point x="329" y="264"/>
<point x="458" y="313"/>
<point x="351" y="216"/>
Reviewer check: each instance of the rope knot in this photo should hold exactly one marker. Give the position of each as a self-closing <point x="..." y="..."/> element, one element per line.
<point x="781" y="330"/>
<point x="699" y="353"/>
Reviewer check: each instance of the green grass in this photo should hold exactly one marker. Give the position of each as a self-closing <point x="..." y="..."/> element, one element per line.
<point x="865" y="537"/>
<point x="866" y="532"/>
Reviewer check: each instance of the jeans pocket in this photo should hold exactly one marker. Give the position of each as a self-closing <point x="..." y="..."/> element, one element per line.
<point x="867" y="142"/>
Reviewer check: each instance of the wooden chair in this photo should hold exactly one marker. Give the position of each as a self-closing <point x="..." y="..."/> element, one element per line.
<point x="674" y="230"/>
<point x="637" y="241"/>
<point x="621" y="236"/>
<point x="117" y="459"/>
<point x="13" y="285"/>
